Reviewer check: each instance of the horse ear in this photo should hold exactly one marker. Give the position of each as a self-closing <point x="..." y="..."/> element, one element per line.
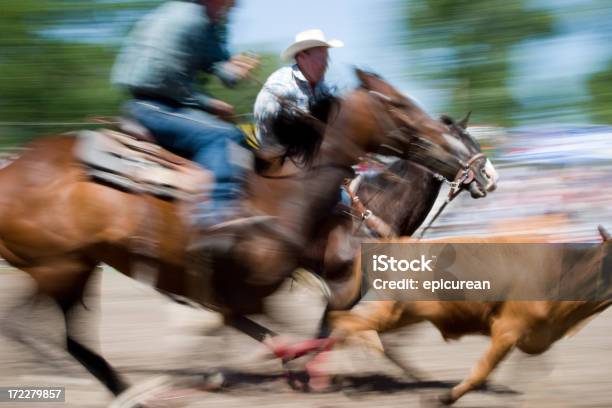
<point x="605" y="235"/>
<point x="363" y="77"/>
<point x="447" y="120"/>
<point x="369" y="80"/>
<point x="464" y="122"/>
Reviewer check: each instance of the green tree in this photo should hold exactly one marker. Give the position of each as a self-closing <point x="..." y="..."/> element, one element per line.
<point x="48" y="77"/>
<point x="465" y="46"/>
<point x="600" y="104"/>
<point x="597" y="16"/>
<point x="44" y="78"/>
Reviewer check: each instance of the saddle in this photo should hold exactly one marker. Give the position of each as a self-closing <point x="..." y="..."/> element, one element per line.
<point x="129" y="159"/>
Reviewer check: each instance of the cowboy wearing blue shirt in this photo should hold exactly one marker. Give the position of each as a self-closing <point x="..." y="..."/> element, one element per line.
<point x="158" y="65"/>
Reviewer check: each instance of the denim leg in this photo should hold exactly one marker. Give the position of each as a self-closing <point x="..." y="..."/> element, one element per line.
<point x="345" y="198"/>
<point x="215" y="156"/>
<point x="198" y="136"/>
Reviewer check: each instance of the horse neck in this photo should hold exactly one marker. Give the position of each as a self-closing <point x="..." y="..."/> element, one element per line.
<point x="404" y="205"/>
<point x="419" y="199"/>
<point x="300" y="201"/>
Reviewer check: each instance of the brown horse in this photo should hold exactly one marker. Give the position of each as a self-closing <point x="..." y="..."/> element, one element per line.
<point x="57" y="225"/>
<point x="401" y="196"/>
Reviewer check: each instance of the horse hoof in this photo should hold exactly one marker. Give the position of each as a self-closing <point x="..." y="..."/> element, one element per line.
<point x="435" y="400"/>
<point x="213" y="381"/>
<point x="320" y="384"/>
<point x="446" y="398"/>
<point x="325" y="384"/>
<point x="166" y="391"/>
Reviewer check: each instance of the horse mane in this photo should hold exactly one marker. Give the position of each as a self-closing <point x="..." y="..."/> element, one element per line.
<point x="301" y="133"/>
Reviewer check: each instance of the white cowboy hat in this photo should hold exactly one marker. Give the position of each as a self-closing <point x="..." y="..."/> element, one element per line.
<point x="309" y="39"/>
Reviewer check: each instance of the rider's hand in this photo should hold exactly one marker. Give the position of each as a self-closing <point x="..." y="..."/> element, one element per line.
<point x="242" y="64"/>
<point x="220" y="108"/>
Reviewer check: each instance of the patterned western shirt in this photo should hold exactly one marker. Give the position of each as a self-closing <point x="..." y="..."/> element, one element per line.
<point x="287" y="83"/>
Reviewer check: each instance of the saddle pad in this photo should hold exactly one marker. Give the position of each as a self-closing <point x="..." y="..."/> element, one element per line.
<point x="139" y="166"/>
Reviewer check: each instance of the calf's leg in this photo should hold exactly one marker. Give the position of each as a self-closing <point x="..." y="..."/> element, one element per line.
<point x="504" y="335"/>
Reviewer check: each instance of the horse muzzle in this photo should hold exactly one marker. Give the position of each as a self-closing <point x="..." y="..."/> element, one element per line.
<point x="491" y="175"/>
<point x="482" y="180"/>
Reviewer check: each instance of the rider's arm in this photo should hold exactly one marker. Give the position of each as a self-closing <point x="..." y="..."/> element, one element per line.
<point x="212" y="105"/>
<point x="225" y="72"/>
<point x="229" y="69"/>
<point x="204" y="101"/>
<point x="236" y="69"/>
<point x="223" y="69"/>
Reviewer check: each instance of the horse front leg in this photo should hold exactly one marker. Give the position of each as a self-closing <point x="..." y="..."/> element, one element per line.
<point x="280" y="348"/>
<point x="341" y="273"/>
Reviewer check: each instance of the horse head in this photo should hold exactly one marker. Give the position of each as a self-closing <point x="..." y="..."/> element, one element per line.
<point x="405" y="130"/>
<point x="487" y="175"/>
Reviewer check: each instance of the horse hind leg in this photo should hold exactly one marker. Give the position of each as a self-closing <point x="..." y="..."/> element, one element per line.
<point x="391" y="353"/>
<point x="13" y="328"/>
<point x="92" y="361"/>
<point x="97" y="366"/>
<point x="65" y="281"/>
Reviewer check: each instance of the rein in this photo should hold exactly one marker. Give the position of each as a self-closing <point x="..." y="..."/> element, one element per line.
<point x="463" y="177"/>
<point x="455" y="190"/>
<point x="302" y="176"/>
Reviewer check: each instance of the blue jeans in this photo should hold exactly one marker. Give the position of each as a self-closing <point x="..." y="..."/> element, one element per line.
<point x="345" y="199"/>
<point x="198" y="136"/>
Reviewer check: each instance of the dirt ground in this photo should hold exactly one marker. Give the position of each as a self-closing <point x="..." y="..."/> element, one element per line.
<point x="144" y="335"/>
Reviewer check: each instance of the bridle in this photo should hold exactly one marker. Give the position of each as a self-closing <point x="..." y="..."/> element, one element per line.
<point x="307" y="173"/>
<point x="464" y="176"/>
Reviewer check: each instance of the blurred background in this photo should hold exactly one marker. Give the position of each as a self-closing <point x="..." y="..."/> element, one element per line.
<point x="516" y="62"/>
<point x="537" y="75"/>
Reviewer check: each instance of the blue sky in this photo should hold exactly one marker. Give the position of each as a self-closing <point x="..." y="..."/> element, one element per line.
<point x="373" y="30"/>
<point x="367" y="31"/>
<point x="368" y="28"/>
